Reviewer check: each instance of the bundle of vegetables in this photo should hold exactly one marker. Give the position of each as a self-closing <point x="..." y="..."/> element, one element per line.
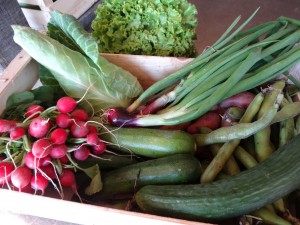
<point x="251" y="165"/>
<point x="161" y="28"/>
<point x="237" y="62"/>
<point x="71" y="54"/>
<point x="44" y="147"/>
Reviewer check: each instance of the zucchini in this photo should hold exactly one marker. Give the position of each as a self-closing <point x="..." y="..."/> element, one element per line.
<point x="150" y="142"/>
<point x="237" y="195"/>
<point x="175" y="169"/>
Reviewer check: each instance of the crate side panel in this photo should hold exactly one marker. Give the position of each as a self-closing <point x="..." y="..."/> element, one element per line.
<point x="20" y="75"/>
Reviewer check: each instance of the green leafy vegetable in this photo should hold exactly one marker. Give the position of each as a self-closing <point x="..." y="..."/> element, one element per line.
<point x="102" y="83"/>
<point x="155" y="27"/>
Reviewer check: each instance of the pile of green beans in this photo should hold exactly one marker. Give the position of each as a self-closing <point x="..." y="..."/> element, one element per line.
<point x="234" y="150"/>
<point x="238" y="61"/>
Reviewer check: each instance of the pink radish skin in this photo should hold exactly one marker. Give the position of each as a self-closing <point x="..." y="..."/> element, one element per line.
<point x="17" y="133"/>
<point x="41" y="148"/>
<point x="49" y="171"/>
<point x="99" y="148"/>
<point x="92" y="139"/>
<point x="66" y="104"/>
<point x="64" y="159"/>
<point x="33" y="163"/>
<point x="21" y="177"/>
<point x="39" y="183"/>
<point x="6" y="168"/>
<point x="67" y="178"/>
<point x="79" y="129"/>
<point x="241" y="100"/>
<point x="63" y="120"/>
<point x="34" y="109"/>
<point x="80" y="114"/>
<point x="82" y="153"/>
<point x="7" y="125"/>
<point x="39" y="127"/>
<point x="58" y="151"/>
<point x="59" y="136"/>
<point x="92" y="129"/>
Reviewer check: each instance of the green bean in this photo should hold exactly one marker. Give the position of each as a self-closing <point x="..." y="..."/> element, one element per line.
<point x="262" y="138"/>
<point x="270" y="217"/>
<point x="231" y="167"/>
<point x="287" y="128"/>
<point x="245" y="157"/>
<point x="237" y="131"/>
<point x="225" y="152"/>
<point x="290" y="110"/>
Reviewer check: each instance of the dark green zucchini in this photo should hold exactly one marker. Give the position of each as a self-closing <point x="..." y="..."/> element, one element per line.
<point x="175" y="169"/>
<point x="241" y="194"/>
<point x="150" y="142"/>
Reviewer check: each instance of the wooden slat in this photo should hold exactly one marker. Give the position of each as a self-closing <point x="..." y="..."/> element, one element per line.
<point x="37" y="19"/>
<point x="72" y="7"/>
<point x="20" y="75"/>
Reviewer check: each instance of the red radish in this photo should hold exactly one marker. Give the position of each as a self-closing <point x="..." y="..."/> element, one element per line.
<point x="92" y="129"/>
<point x="92" y="139"/>
<point x="66" y="104"/>
<point x="82" y="153"/>
<point x="210" y="120"/>
<point x="79" y="129"/>
<point x="39" y="182"/>
<point x="241" y="100"/>
<point x="99" y="148"/>
<point x="31" y="161"/>
<point x="17" y="133"/>
<point x="5" y="171"/>
<point x="7" y="125"/>
<point x="80" y="114"/>
<point x="49" y="170"/>
<point x="33" y="111"/>
<point x="39" y="127"/>
<point x="67" y="178"/>
<point x="58" y="151"/>
<point x="63" y="120"/>
<point x="21" y="177"/>
<point x="41" y="148"/>
<point x="59" y="136"/>
<point x="64" y="159"/>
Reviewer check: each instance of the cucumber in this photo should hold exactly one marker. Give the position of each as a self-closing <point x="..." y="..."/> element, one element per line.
<point x="150" y="142"/>
<point x="237" y="195"/>
<point x="175" y="169"/>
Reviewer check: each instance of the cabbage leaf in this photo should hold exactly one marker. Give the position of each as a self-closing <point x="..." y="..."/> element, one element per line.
<point x="79" y="73"/>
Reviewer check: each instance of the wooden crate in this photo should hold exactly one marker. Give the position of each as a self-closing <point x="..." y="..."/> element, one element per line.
<point x="21" y="75"/>
<point x="37" y="12"/>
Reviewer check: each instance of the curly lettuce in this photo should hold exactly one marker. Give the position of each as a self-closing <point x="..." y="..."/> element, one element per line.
<point x="79" y="73"/>
<point x="153" y="27"/>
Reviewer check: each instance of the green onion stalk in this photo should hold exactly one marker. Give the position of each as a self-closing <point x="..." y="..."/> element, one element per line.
<point x="238" y="61"/>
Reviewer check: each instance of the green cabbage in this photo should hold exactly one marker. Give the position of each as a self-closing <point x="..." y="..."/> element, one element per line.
<point x="79" y="73"/>
<point x="152" y="27"/>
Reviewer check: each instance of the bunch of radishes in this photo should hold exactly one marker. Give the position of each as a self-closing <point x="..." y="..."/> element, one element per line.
<point x="42" y="148"/>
